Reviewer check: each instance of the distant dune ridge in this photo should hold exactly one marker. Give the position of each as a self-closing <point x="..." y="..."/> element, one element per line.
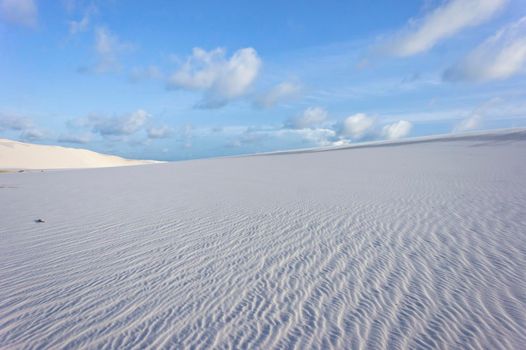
<point x="417" y="245"/>
<point x="20" y="155"/>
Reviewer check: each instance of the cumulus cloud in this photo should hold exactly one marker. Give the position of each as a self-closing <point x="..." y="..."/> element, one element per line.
<point x="499" y="57"/>
<point x="260" y="135"/>
<point x="360" y="126"/>
<point x="161" y="132"/>
<point x="282" y="92"/>
<point x="136" y="128"/>
<point x="117" y="126"/>
<point x="320" y="136"/>
<point x="313" y="126"/>
<point x="312" y="117"/>
<point x="19" y="12"/>
<point x="397" y="130"/>
<point x="318" y="132"/>
<point x="357" y="126"/>
<point x="221" y="79"/>
<point x="453" y="16"/>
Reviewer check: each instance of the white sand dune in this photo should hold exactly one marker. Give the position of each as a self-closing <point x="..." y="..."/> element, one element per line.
<point x="20" y="155"/>
<point x="404" y="245"/>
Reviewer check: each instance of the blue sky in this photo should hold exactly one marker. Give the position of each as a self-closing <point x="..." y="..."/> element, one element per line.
<point x="174" y="80"/>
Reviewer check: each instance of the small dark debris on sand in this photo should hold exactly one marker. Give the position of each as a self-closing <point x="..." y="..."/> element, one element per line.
<point x="39" y="221"/>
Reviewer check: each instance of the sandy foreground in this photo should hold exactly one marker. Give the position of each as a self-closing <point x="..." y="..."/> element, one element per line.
<point x="404" y="245"/>
<point x="20" y="155"/>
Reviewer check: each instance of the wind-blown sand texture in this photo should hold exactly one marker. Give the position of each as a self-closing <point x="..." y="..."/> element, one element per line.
<point x="20" y="155"/>
<point x="404" y="245"/>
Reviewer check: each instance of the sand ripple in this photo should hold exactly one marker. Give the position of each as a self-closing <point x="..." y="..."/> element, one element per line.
<point x="417" y="246"/>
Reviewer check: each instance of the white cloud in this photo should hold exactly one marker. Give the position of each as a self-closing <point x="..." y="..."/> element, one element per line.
<point x="108" y="47"/>
<point x="20" y="12"/>
<point x="397" y="130"/>
<point x="117" y="126"/>
<point x="75" y="138"/>
<point x="9" y="122"/>
<point x="250" y="137"/>
<point x="360" y="126"/>
<point x="79" y="26"/>
<point x="356" y="126"/>
<point x="341" y="142"/>
<point x="146" y="73"/>
<point x="320" y="136"/>
<point x="259" y="135"/>
<point x="470" y="123"/>
<point x="220" y="78"/>
<point x="475" y="118"/>
<point x="32" y="135"/>
<point x="353" y="128"/>
<point x="83" y="24"/>
<point x="284" y="91"/>
<point x="28" y="130"/>
<point x="160" y="132"/>
<point x="499" y="57"/>
<point x="186" y="134"/>
<point x="312" y="117"/>
<point x="443" y="22"/>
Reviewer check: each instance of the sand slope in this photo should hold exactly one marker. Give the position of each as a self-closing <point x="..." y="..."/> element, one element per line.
<point x="20" y="155"/>
<point x="416" y="245"/>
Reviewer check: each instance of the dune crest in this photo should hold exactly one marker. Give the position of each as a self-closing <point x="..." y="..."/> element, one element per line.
<point x="20" y="155"/>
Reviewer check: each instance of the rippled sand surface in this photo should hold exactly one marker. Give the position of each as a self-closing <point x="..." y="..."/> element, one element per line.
<point x="406" y="245"/>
